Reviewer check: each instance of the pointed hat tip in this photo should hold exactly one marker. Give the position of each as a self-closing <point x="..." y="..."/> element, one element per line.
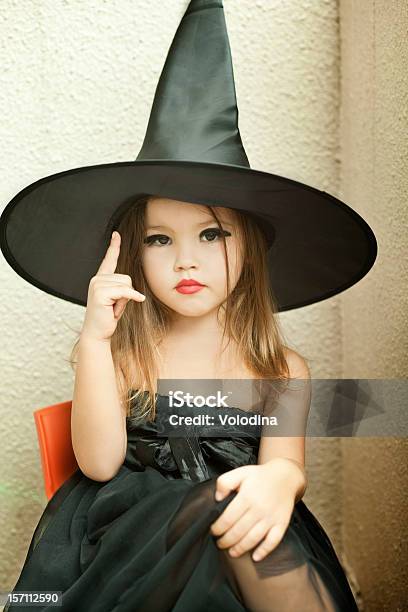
<point x="196" y="5"/>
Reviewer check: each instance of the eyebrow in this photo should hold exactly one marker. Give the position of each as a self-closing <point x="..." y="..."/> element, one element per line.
<point x="197" y="225"/>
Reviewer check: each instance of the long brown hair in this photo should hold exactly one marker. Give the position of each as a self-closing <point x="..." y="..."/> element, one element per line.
<point x="249" y="314"/>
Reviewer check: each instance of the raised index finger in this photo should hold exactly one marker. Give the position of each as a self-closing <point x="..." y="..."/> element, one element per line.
<point x="109" y="262"/>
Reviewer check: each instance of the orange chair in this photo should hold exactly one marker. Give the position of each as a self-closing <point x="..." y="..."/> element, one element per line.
<point x="58" y="460"/>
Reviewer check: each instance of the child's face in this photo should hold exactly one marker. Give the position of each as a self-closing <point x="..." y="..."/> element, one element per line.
<point x="183" y="247"/>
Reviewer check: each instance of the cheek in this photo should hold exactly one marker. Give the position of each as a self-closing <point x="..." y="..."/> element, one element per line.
<point x="153" y="267"/>
<point x="234" y="260"/>
<point x="217" y="268"/>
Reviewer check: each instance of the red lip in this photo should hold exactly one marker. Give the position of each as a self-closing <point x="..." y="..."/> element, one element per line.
<point x="188" y="283"/>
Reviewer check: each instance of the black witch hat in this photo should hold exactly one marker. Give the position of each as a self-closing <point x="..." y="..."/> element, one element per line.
<point x="55" y="232"/>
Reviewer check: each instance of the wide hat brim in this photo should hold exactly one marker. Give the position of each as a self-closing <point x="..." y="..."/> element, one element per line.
<point x="55" y="232"/>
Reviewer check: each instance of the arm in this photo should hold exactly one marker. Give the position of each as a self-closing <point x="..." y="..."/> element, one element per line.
<point x="267" y="492"/>
<point x="98" y="423"/>
<point x="288" y="451"/>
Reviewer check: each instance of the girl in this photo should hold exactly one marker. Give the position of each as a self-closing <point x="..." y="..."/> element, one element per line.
<point x="133" y="528"/>
<point x="181" y="292"/>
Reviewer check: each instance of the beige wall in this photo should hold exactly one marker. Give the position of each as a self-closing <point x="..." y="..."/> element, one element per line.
<point x="75" y="93"/>
<point x="374" y="153"/>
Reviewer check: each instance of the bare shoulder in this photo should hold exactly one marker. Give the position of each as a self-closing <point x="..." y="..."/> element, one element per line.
<point x="298" y="367"/>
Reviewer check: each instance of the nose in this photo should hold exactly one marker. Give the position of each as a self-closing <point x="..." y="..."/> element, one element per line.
<point x="186" y="256"/>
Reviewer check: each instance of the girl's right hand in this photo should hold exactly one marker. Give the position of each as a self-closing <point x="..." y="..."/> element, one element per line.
<point x="108" y="295"/>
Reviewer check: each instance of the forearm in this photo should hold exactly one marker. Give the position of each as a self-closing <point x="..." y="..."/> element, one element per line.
<point x="97" y="420"/>
<point x="295" y="475"/>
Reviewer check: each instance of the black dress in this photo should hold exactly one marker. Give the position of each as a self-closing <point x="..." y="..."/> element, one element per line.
<point x="142" y="542"/>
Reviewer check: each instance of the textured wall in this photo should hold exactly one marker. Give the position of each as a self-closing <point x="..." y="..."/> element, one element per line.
<point x="76" y="89"/>
<point x="374" y="179"/>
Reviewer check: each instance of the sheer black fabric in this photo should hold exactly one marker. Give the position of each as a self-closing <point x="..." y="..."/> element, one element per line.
<point x="142" y="541"/>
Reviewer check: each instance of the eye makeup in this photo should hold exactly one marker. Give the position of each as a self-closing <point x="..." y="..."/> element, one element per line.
<point x="150" y="240"/>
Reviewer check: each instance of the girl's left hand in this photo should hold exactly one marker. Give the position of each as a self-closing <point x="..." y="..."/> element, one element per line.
<point x="261" y="510"/>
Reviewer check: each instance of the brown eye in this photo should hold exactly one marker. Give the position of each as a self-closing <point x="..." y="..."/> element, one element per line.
<point x="152" y="239"/>
<point x="214" y="232"/>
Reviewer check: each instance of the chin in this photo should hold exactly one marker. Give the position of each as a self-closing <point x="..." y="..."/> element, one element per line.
<point x="190" y="310"/>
